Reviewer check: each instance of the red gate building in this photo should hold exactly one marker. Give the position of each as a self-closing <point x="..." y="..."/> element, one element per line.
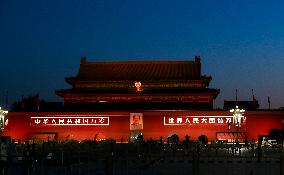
<point x="119" y="100"/>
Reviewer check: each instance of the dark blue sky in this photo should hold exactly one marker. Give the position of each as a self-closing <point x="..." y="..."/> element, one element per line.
<point x="241" y="43"/>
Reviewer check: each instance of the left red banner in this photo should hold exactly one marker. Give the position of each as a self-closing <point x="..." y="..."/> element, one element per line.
<point x="43" y="121"/>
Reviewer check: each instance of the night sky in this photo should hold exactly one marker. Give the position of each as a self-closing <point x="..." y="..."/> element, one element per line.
<point x="241" y="43"/>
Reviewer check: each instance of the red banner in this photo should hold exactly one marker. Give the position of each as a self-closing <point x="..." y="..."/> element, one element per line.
<point x="43" y="121"/>
<point x="197" y="120"/>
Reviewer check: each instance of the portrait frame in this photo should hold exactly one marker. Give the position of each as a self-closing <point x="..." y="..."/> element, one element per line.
<point x="134" y="124"/>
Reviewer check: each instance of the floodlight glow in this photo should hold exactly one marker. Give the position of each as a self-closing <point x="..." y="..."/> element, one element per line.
<point x="2" y="117"/>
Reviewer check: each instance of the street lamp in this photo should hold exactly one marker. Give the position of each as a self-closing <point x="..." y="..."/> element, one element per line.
<point x="2" y="117"/>
<point x="238" y="119"/>
<point x="238" y="116"/>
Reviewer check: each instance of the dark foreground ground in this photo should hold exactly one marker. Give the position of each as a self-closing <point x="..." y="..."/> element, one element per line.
<point x="73" y="158"/>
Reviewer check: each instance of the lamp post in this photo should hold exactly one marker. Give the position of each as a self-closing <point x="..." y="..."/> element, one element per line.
<point x="2" y="118"/>
<point x="238" y="119"/>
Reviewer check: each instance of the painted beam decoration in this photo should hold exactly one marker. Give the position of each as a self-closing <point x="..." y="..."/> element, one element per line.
<point x="197" y="120"/>
<point x="78" y="120"/>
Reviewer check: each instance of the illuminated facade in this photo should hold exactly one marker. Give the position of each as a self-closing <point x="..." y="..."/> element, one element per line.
<point x="120" y="100"/>
<point x="116" y="124"/>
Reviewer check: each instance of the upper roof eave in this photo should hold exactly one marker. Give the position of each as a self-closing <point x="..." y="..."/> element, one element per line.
<point x="139" y="70"/>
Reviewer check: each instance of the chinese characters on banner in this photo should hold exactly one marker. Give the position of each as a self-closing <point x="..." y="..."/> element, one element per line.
<point x="43" y="121"/>
<point x="196" y="120"/>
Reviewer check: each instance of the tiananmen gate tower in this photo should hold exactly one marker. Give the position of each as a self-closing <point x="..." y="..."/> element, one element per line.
<point x="156" y="99"/>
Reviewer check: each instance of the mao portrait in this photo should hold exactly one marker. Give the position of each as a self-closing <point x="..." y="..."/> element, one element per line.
<point x="136" y="121"/>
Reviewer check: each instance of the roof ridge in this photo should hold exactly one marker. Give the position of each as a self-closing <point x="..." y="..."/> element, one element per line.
<point x="141" y="62"/>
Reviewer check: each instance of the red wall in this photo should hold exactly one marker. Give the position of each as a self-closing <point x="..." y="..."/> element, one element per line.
<point x="257" y="123"/>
